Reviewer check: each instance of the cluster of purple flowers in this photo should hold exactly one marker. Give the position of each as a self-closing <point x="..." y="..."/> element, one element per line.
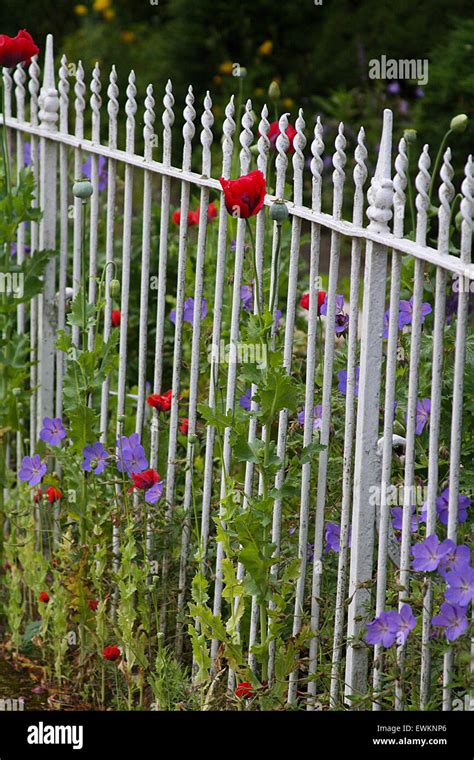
<point x="390" y="627"/>
<point x="453" y="564"/>
<point x="442" y="506"/>
<point x="317" y="417"/>
<point x="130" y="454"/>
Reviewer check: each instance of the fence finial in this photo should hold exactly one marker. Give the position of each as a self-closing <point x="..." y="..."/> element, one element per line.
<point x="207" y="120"/>
<point x="228" y="129"/>
<point x="446" y="190"/>
<point x="299" y="142"/>
<point x="380" y="193"/>
<point x="149" y="123"/>
<point x="48" y="100"/>
<point x="263" y="143"/>
<point x="360" y="155"/>
<point x="246" y="137"/>
<point x="34" y="87"/>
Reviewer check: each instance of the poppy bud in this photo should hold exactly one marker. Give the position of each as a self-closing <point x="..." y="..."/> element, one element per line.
<point x="82" y="188"/>
<point x="459" y="122"/>
<point x="279" y="211"/>
<point x="114" y="288"/>
<point x="410" y="135"/>
<point x="121" y="418"/>
<point x="274" y="91"/>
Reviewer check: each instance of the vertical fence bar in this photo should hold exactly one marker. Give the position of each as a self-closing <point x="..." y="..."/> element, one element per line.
<point x="360" y="176"/>
<point x="188" y="134"/>
<point x="446" y="194"/>
<point x="49" y="105"/>
<point x="207" y="121"/>
<point x="79" y="106"/>
<point x="363" y="513"/>
<point x="422" y="205"/>
<point x="148" y="137"/>
<point x="112" y="110"/>
<point x="95" y="104"/>
<point x="338" y="178"/>
<point x="20" y="77"/>
<point x="399" y="185"/>
<point x="246" y="138"/>
<point x="467" y="209"/>
<point x="228" y="129"/>
<point x="168" y="121"/>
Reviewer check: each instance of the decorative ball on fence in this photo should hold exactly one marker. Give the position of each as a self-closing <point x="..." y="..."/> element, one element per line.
<point x="279" y="211"/>
<point x="82" y="188"/>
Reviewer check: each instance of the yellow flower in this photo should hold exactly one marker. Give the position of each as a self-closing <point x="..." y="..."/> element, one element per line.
<point x="101" y="5"/>
<point x="287" y="103"/>
<point x="266" y="48"/>
<point x="109" y="14"/>
<point x="127" y="37"/>
<point x="259" y="92"/>
<point x="226" y="67"/>
<point x="81" y="10"/>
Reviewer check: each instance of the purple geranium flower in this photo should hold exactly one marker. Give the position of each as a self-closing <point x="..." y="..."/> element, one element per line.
<point x="423" y="409"/>
<point x="154" y="494"/>
<point x="132" y="453"/>
<point x="317" y="417"/>
<point x="407" y="622"/>
<point x="393" y="88"/>
<point x="32" y="470"/>
<point x="383" y="629"/>
<point x="397" y="518"/>
<point x="333" y="537"/>
<point x="246" y="399"/>
<point x="342" y="381"/>
<point x="430" y="553"/>
<point x="453" y="618"/>
<point x="442" y="507"/>
<point x="95" y="458"/>
<point x="460" y="586"/>
<point x="310" y="552"/>
<point x="188" y="311"/>
<point x="102" y="171"/>
<point x="405" y="313"/>
<point x="342" y="319"/>
<point x="246" y="296"/>
<point x="52" y="431"/>
<point x="456" y="560"/>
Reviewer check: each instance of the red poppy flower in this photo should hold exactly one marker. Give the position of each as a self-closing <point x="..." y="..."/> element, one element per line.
<point x="211" y="214"/>
<point x="37" y="495"/>
<point x="17" y="49"/>
<point x="93" y="604"/>
<point x="244" y="689"/>
<point x="162" y="401"/>
<point x="145" y="480"/>
<point x="53" y="494"/>
<point x="111" y="653"/>
<point x="245" y="196"/>
<point x="274" y="131"/>
<point x="184" y="426"/>
<point x="192" y="219"/>
<point x="304" y="303"/>
<point x="116" y="317"/>
<point x="43" y="597"/>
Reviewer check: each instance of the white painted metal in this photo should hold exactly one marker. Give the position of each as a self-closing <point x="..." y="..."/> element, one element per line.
<point x="42" y="128"/>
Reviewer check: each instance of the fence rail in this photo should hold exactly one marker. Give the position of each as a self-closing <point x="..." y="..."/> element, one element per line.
<point x="54" y="121"/>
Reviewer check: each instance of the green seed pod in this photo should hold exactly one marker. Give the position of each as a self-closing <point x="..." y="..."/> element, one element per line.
<point x="16" y="391"/>
<point x="458" y="220"/>
<point x="459" y="122"/>
<point x="274" y="91"/>
<point x="279" y="211"/>
<point x="410" y="135"/>
<point x="121" y="418"/>
<point x="82" y="188"/>
<point x="114" y="288"/>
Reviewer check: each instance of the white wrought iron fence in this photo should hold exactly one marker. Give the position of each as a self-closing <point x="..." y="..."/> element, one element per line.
<point x="52" y="116"/>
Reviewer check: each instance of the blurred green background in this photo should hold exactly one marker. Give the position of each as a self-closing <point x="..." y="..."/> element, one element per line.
<point x="319" y="54"/>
